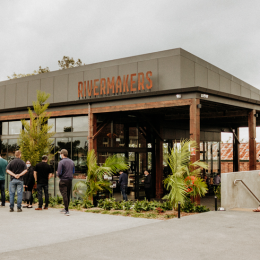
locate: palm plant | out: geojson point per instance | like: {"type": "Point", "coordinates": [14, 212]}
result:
{"type": "Point", "coordinates": [95, 181]}
{"type": "Point", "coordinates": [179, 183]}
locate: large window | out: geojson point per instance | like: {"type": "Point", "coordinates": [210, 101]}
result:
{"type": "Point", "coordinates": [69, 124]}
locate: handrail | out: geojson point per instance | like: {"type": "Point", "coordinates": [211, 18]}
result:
{"type": "Point", "coordinates": [235, 183]}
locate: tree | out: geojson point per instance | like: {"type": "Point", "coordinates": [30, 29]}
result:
{"type": "Point", "coordinates": [67, 63]}
{"type": "Point", "coordinates": [35, 72]}
{"type": "Point", "coordinates": [35, 138]}
{"type": "Point", "coordinates": [184, 180]}
{"type": "Point", "coordinates": [95, 181]}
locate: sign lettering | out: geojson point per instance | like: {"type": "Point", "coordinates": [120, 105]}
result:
{"type": "Point", "coordinates": [114, 85]}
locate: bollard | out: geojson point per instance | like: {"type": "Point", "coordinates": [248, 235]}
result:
{"type": "Point", "coordinates": [216, 203]}
{"type": "Point", "coordinates": [179, 210]}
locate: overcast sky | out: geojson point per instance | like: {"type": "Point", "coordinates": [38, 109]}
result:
{"type": "Point", "coordinates": [225, 33]}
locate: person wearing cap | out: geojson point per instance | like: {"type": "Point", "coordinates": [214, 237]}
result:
{"type": "Point", "coordinates": [42, 174]}
{"type": "Point", "coordinates": [66, 169]}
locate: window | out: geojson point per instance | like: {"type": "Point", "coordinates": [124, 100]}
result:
{"type": "Point", "coordinates": [80, 124]}
{"type": "Point", "coordinates": [15, 127]}
{"type": "Point", "coordinates": [63, 124]}
{"type": "Point", "coordinates": [4, 128]}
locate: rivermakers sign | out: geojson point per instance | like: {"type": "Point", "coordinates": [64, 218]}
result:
{"type": "Point", "coordinates": [110, 86]}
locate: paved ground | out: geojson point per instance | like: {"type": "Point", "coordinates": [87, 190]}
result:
{"type": "Point", "coordinates": [51, 235]}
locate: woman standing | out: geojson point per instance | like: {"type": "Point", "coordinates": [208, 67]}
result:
{"type": "Point", "coordinates": [29, 183]}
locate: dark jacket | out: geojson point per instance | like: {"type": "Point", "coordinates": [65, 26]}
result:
{"type": "Point", "coordinates": [148, 181]}
{"type": "Point", "coordinates": [28, 178]}
{"type": "Point", "coordinates": [123, 179]}
{"type": "Point", "coordinates": [66, 169]}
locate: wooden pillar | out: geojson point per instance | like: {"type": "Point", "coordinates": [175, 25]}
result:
{"type": "Point", "coordinates": [92, 143]}
{"type": "Point", "coordinates": [195, 126]}
{"type": "Point", "coordinates": [159, 166]}
{"type": "Point", "coordinates": [252, 142]}
{"type": "Point", "coordinates": [236, 153]}
{"type": "Point", "coordinates": [195, 133]}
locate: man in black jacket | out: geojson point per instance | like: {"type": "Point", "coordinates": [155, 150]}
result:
{"type": "Point", "coordinates": [123, 181]}
{"type": "Point", "coordinates": [147, 185]}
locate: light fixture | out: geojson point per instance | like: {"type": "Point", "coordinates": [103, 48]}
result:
{"type": "Point", "coordinates": [204, 96]}
{"type": "Point", "coordinates": [199, 106]}
{"type": "Point", "coordinates": [178, 96]}
{"type": "Point", "coordinates": [256, 115]}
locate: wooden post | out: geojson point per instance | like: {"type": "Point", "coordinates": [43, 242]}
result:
{"type": "Point", "coordinates": [159, 166]}
{"type": "Point", "coordinates": [236, 153]}
{"type": "Point", "coordinates": [252, 142]}
{"type": "Point", "coordinates": [195, 126]}
{"type": "Point", "coordinates": [195, 133]}
{"type": "Point", "coordinates": [92, 143]}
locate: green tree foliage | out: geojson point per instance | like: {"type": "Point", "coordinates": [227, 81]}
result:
{"type": "Point", "coordinates": [35, 138]}
{"type": "Point", "coordinates": [35, 72]}
{"type": "Point", "coordinates": [67, 63]}
{"type": "Point", "coordinates": [184, 180]}
{"type": "Point", "coordinates": [95, 174]}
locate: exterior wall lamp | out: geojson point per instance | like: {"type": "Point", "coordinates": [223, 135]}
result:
{"type": "Point", "coordinates": [199, 106]}
{"type": "Point", "coordinates": [178, 96]}
{"type": "Point", "coordinates": [256, 115]}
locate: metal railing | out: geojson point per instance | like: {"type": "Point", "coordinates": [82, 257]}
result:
{"type": "Point", "coordinates": [235, 183]}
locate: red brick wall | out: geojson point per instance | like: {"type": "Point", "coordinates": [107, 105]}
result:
{"type": "Point", "coordinates": [244, 166]}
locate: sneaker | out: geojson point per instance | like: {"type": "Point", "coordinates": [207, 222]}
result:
{"type": "Point", "coordinates": [63, 211]}
{"type": "Point", "coordinates": [19, 210]}
{"type": "Point", "coordinates": [11, 209]}
{"type": "Point", "coordinates": [67, 213]}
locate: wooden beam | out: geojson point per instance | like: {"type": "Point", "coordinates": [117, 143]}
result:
{"type": "Point", "coordinates": [159, 164]}
{"type": "Point", "coordinates": [236, 153]}
{"type": "Point", "coordinates": [142, 106]}
{"type": "Point", "coordinates": [92, 143]}
{"type": "Point", "coordinates": [252, 141]}
{"type": "Point", "coordinates": [195, 133]}
{"type": "Point", "coordinates": [195, 126]}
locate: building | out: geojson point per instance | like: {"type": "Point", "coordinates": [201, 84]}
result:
{"type": "Point", "coordinates": [136, 107]}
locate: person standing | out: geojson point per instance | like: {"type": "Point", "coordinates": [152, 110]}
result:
{"type": "Point", "coordinates": [3, 164]}
{"type": "Point", "coordinates": [147, 185]}
{"type": "Point", "coordinates": [66, 169]}
{"type": "Point", "coordinates": [29, 183]}
{"type": "Point", "coordinates": [42, 174]}
{"type": "Point", "coordinates": [16, 168]}
{"type": "Point", "coordinates": [123, 181]}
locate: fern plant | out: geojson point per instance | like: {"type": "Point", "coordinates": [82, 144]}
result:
{"type": "Point", "coordinates": [179, 183]}
{"type": "Point", "coordinates": [95, 181]}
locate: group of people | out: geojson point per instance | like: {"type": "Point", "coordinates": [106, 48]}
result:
{"type": "Point", "coordinates": [123, 181]}
{"type": "Point", "coordinates": [25, 177]}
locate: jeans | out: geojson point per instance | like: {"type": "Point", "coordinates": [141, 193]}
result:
{"type": "Point", "coordinates": [65, 189]}
{"type": "Point", "coordinates": [39, 191]}
{"type": "Point", "coordinates": [124, 190]}
{"type": "Point", "coordinates": [2, 188]}
{"type": "Point", "coordinates": [16, 185]}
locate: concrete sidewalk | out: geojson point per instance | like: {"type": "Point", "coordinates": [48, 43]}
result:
{"type": "Point", "coordinates": [51, 235]}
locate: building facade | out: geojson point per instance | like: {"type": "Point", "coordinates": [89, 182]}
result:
{"type": "Point", "coordinates": [137, 107]}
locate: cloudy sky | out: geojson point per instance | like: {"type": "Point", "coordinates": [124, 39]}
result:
{"type": "Point", "coordinates": [225, 33]}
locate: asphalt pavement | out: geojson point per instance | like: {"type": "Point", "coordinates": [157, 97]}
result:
{"type": "Point", "coordinates": [50, 235]}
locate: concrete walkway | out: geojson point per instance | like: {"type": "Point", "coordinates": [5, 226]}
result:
{"type": "Point", "coordinates": [51, 235]}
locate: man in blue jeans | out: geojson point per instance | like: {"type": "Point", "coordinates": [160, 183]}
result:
{"type": "Point", "coordinates": [16, 168]}
{"type": "Point", "coordinates": [3, 164]}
